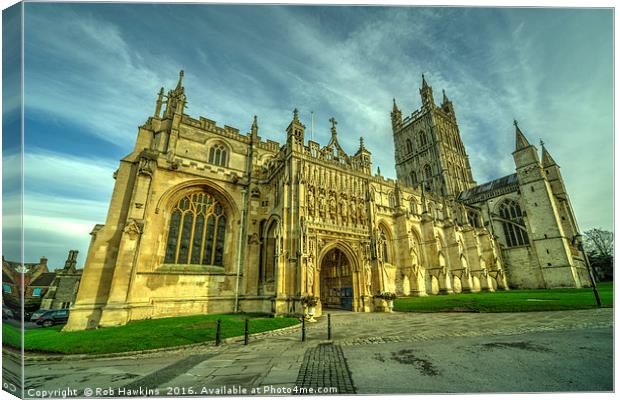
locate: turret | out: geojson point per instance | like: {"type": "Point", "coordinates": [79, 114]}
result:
{"type": "Point", "coordinates": [176, 98]}
{"type": "Point", "coordinates": [362, 158]}
{"type": "Point", "coordinates": [397, 116]}
{"type": "Point", "coordinates": [427, 95]}
{"type": "Point", "coordinates": [446, 104]}
{"type": "Point", "coordinates": [525, 154]}
{"type": "Point", "coordinates": [295, 132]}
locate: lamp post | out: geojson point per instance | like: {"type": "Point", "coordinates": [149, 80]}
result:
{"type": "Point", "coordinates": [577, 240]}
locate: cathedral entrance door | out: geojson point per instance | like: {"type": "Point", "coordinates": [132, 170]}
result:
{"type": "Point", "coordinates": [336, 281]}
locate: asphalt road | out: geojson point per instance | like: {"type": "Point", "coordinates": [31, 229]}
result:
{"type": "Point", "coordinates": [567, 361]}
{"type": "Point", "coordinates": [371, 354]}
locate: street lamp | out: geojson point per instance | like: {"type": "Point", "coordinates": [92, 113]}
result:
{"type": "Point", "coordinates": [577, 240]}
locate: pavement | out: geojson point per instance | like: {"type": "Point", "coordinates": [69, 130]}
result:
{"type": "Point", "coordinates": [369, 353]}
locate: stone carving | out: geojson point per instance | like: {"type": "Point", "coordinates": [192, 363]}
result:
{"type": "Point", "coordinates": [311, 203]}
{"type": "Point", "coordinates": [134, 228]}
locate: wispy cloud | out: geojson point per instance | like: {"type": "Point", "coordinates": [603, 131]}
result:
{"type": "Point", "coordinates": [99, 66]}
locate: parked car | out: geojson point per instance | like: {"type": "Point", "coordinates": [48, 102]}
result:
{"type": "Point", "coordinates": [35, 315]}
{"type": "Point", "coordinates": [7, 313]}
{"type": "Point", "coordinates": [53, 317]}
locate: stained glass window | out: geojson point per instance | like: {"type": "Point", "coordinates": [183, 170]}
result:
{"type": "Point", "coordinates": [513, 224]}
{"type": "Point", "coordinates": [197, 231]}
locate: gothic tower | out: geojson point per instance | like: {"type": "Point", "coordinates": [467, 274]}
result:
{"type": "Point", "coordinates": [428, 147]}
{"type": "Point", "coordinates": [550, 242]}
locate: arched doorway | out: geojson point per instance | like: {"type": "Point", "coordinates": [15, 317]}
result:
{"type": "Point", "coordinates": [336, 281]}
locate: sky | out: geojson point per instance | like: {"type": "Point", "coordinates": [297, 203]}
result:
{"type": "Point", "coordinates": [92, 73]}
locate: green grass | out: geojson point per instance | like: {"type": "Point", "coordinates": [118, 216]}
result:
{"type": "Point", "coordinates": [140, 335]}
{"type": "Point", "coordinates": [510, 301]}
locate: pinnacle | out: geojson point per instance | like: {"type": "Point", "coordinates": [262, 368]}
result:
{"type": "Point", "coordinates": [521, 141]}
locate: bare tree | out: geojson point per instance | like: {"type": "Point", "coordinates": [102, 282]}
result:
{"type": "Point", "coordinates": [599, 241]}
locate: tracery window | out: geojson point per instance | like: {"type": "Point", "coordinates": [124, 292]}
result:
{"type": "Point", "coordinates": [428, 174]}
{"type": "Point", "coordinates": [218, 155]}
{"type": "Point", "coordinates": [423, 140]}
{"type": "Point", "coordinates": [413, 207]}
{"type": "Point", "coordinates": [197, 231]}
{"type": "Point", "coordinates": [513, 224]}
{"type": "Point", "coordinates": [392, 200]}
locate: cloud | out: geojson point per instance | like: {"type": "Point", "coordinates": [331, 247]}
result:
{"type": "Point", "coordinates": [550, 69]}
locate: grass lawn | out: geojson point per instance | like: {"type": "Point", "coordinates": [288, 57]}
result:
{"type": "Point", "coordinates": [509, 301]}
{"type": "Point", "coordinates": [141, 335]}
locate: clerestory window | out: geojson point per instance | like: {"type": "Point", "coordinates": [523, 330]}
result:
{"type": "Point", "coordinates": [218, 155]}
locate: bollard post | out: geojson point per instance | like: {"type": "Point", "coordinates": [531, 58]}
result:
{"type": "Point", "coordinates": [218, 333]}
{"type": "Point", "coordinates": [329, 326]}
{"type": "Point", "coordinates": [303, 329]}
{"type": "Point", "coordinates": [247, 332]}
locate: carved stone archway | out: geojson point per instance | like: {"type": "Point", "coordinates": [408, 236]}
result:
{"type": "Point", "coordinates": [338, 278]}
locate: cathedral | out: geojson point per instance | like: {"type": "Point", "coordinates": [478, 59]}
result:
{"type": "Point", "coordinates": [206, 219]}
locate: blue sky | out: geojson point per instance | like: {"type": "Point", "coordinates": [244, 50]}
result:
{"type": "Point", "coordinates": [92, 72]}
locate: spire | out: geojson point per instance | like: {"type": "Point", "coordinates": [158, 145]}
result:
{"type": "Point", "coordinates": [426, 92]}
{"type": "Point", "coordinates": [362, 147]}
{"type": "Point", "coordinates": [547, 160]}
{"type": "Point", "coordinates": [397, 116]}
{"type": "Point", "coordinates": [180, 84]}
{"type": "Point", "coordinates": [295, 114]}
{"type": "Point", "coordinates": [521, 141]}
{"type": "Point", "coordinates": [254, 128]}
{"type": "Point", "coordinates": [445, 98]}
{"type": "Point", "coordinates": [159, 102]}
{"type": "Point", "coordinates": [378, 170]}
{"type": "Point", "coordinates": [334, 123]}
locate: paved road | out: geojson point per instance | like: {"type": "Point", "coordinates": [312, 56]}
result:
{"type": "Point", "coordinates": [370, 353]}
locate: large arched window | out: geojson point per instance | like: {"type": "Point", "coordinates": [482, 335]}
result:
{"type": "Point", "coordinates": [409, 147]}
{"type": "Point", "coordinates": [197, 231]}
{"type": "Point", "coordinates": [513, 224]}
{"type": "Point", "coordinates": [218, 155]}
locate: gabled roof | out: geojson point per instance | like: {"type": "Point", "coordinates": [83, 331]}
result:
{"type": "Point", "coordinates": [45, 279]}
{"type": "Point", "coordinates": [490, 189]}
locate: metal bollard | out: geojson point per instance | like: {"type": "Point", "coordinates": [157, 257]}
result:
{"type": "Point", "coordinates": [303, 329]}
{"type": "Point", "coordinates": [218, 333]}
{"type": "Point", "coordinates": [247, 332]}
{"type": "Point", "coordinates": [329, 327]}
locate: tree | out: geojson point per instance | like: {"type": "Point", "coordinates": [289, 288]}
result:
{"type": "Point", "coordinates": [599, 244]}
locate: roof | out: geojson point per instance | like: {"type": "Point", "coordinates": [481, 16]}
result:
{"type": "Point", "coordinates": [45, 279]}
{"type": "Point", "coordinates": [490, 189]}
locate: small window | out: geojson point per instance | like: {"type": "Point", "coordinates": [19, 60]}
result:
{"type": "Point", "coordinates": [6, 288]}
{"type": "Point", "coordinates": [409, 147]}
{"type": "Point", "coordinates": [36, 292]}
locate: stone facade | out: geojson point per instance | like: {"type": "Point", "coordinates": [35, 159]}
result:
{"type": "Point", "coordinates": [205, 219]}
{"type": "Point", "coordinates": [63, 289]}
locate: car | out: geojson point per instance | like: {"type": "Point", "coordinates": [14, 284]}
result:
{"type": "Point", "coordinates": [35, 315]}
{"type": "Point", "coordinates": [7, 313]}
{"type": "Point", "coordinates": [53, 317]}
